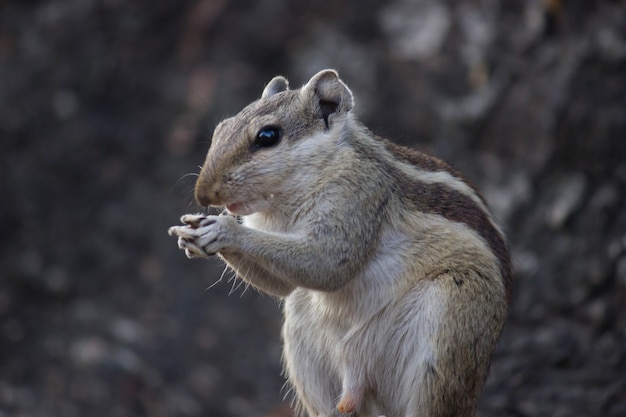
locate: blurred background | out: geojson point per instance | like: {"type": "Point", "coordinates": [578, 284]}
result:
{"type": "Point", "coordinates": [106, 106]}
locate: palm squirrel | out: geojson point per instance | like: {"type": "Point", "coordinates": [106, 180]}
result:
{"type": "Point", "coordinates": [394, 277]}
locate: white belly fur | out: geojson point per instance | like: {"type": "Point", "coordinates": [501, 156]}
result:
{"type": "Point", "coordinates": [375, 335]}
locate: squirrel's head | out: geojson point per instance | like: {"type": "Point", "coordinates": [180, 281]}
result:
{"type": "Point", "coordinates": [275, 145]}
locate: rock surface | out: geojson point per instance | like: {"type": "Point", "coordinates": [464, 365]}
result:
{"type": "Point", "coordinates": [106, 107]}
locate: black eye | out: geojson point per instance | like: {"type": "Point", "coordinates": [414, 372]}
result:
{"type": "Point", "coordinates": [267, 136]}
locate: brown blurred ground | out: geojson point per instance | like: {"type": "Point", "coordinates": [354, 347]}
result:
{"type": "Point", "coordinates": [105, 106]}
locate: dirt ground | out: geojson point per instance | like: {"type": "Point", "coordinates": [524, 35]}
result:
{"type": "Point", "coordinates": [107, 106]}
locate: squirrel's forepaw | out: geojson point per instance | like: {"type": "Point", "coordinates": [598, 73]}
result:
{"type": "Point", "coordinates": [201, 236]}
{"type": "Point", "coordinates": [196, 220]}
{"type": "Point", "coordinates": [192, 250]}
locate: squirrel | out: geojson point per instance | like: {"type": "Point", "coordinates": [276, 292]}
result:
{"type": "Point", "coordinates": [395, 279]}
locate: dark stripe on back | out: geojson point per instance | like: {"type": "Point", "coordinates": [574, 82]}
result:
{"type": "Point", "coordinates": [453, 205]}
{"type": "Point", "coordinates": [426, 163]}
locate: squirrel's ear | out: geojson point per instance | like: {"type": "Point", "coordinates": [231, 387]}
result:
{"type": "Point", "coordinates": [276, 85]}
{"type": "Point", "coordinates": [327, 94]}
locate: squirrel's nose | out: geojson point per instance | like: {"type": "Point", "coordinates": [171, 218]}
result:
{"type": "Point", "coordinates": [207, 194]}
{"type": "Point", "coordinates": [202, 199]}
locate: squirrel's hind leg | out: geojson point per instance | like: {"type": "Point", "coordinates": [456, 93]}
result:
{"type": "Point", "coordinates": [351, 397]}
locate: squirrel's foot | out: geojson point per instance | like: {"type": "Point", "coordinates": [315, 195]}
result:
{"type": "Point", "coordinates": [349, 402]}
{"type": "Point", "coordinates": [202, 236]}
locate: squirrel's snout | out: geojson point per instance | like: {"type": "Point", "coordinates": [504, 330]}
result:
{"type": "Point", "coordinates": [207, 194]}
{"type": "Point", "coordinates": [202, 199]}
{"type": "Point", "coordinates": [209, 189]}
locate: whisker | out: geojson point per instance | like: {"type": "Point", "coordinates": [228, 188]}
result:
{"type": "Point", "coordinates": [239, 284]}
{"type": "Point", "coordinates": [191, 174]}
{"type": "Point", "coordinates": [245, 288]}
{"type": "Point", "coordinates": [226, 269]}
{"type": "Point", "coordinates": [191, 202]}
{"type": "Point", "coordinates": [234, 287]}
{"type": "Point", "coordinates": [287, 388]}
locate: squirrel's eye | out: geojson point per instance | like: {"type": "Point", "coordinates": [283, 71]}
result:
{"type": "Point", "coordinates": [267, 136]}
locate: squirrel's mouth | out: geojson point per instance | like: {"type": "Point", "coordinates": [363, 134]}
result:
{"type": "Point", "coordinates": [244, 208]}
{"type": "Point", "coordinates": [233, 206]}
{"type": "Point", "coordinates": [238, 209]}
